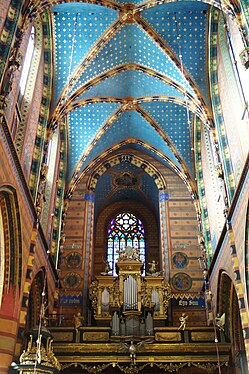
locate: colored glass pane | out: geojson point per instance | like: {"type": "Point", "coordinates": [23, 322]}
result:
{"type": "Point", "coordinates": [124, 230]}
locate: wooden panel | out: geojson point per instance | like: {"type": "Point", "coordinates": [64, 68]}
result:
{"type": "Point", "coordinates": [63, 336]}
{"type": "Point", "coordinates": [168, 336]}
{"type": "Point", "coordinates": [96, 336]}
{"type": "Point", "coordinates": [202, 336]}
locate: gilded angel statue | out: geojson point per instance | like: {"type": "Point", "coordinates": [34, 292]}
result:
{"type": "Point", "coordinates": [220, 321]}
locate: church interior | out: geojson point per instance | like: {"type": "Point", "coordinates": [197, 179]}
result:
{"type": "Point", "coordinates": [124, 185]}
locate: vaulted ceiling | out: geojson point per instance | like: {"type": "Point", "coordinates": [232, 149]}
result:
{"type": "Point", "coordinates": [131, 74]}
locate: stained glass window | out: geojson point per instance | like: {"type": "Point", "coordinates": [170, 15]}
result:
{"type": "Point", "coordinates": [124, 230]}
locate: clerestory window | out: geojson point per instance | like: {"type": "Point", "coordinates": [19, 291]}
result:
{"type": "Point", "coordinates": [27, 62]}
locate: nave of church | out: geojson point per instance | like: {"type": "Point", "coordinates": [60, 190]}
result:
{"type": "Point", "coordinates": [124, 186]}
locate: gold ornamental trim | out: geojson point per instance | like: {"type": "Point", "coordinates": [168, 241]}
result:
{"type": "Point", "coordinates": [143, 359]}
{"type": "Point", "coordinates": [107, 348]}
{"type": "Point", "coordinates": [134, 369]}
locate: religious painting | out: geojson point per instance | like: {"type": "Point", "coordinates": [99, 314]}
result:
{"type": "Point", "coordinates": [126, 179]}
{"type": "Point", "coordinates": [180, 260]}
{"type": "Point", "coordinates": [181, 282]}
{"type": "Point", "coordinates": [73, 260]}
{"type": "Point", "coordinates": [72, 280]}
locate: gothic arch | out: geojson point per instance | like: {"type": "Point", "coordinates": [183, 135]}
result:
{"type": "Point", "coordinates": [228, 303]}
{"type": "Point", "coordinates": [11, 249]}
{"type": "Point", "coordinates": [223, 299]}
{"type": "Point", "coordinates": [140, 211]}
{"type": "Point", "coordinates": [130, 158]}
{"type": "Point", "coordinates": [35, 299]}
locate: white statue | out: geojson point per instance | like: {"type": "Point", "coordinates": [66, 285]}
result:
{"type": "Point", "coordinates": [152, 269]}
{"type": "Point", "coordinates": [153, 265]}
{"type": "Point", "coordinates": [78, 321]}
{"type": "Point", "coordinates": [129, 253]}
{"type": "Point", "coordinates": [183, 321]}
{"type": "Point", "coordinates": [220, 321]}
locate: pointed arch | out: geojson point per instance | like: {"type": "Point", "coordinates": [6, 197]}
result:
{"type": "Point", "coordinates": [35, 299]}
{"type": "Point", "coordinates": [140, 162]}
{"type": "Point", "coordinates": [11, 243]}
{"type": "Point", "coordinates": [216, 103]}
{"type": "Point", "coordinates": [228, 303]}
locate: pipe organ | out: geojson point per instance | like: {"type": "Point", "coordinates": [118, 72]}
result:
{"type": "Point", "coordinates": [130, 294]}
{"type": "Point", "coordinates": [132, 303]}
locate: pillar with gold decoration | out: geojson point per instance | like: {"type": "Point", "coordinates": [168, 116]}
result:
{"type": "Point", "coordinates": [163, 208]}
{"type": "Point", "coordinates": [87, 245]}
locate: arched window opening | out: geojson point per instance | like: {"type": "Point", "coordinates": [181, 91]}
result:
{"type": "Point", "coordinates": [124, 230]}
{"type": "Point", "coordinates": [231, 82]}
{"type": "Point", "coordinates": [52, 170]}
{"type": "Point", "coordinates": [27, 62]}
{"type": "Point", "coordinates": [235, 46]}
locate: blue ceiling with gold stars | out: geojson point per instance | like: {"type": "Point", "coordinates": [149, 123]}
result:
{"type": "Point", "coordinates": [130, 73]}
